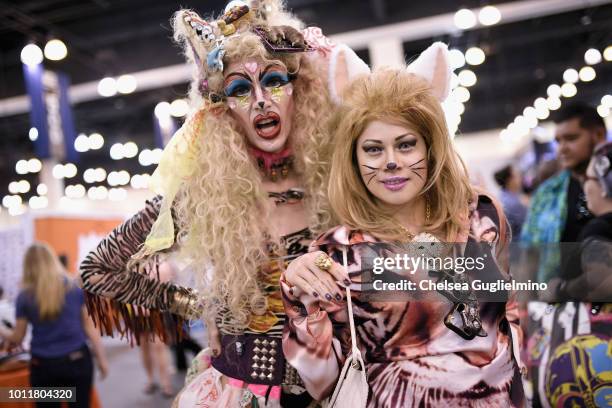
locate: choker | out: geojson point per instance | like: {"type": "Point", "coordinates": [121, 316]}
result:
{"type": "Point", "coordinates": [274, 164]}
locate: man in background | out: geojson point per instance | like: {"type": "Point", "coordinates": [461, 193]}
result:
{"type": "Point", "coordinates": [558, 209]}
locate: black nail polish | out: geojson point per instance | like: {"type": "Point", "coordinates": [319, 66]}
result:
{"type": "Point", "coordinates": [347, 282]}
{"type": "Point", "coordinates": [315, 294]}
{"type": "Point", "coordinates": [338, 297]}
{"type": "Point", "coordinates": [328, 297]}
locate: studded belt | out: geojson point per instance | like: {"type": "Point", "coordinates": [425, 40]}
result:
{"type": "Point", "coordinates": [255, 359]}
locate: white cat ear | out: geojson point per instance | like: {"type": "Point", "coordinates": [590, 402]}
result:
{"type": "Point", "coordinates": [434, 65]}
{"type": "Point", "coordinates": [344, 66]}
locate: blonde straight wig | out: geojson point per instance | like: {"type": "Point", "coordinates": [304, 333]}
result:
{"type": "Point", "coordinates": [401, 98]}
{"type": "Point", "coordinates": [45, 278]}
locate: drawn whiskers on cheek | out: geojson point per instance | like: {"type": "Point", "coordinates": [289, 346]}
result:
{"type": "Point", "coordinates": [414, 169]}
{"type": "Point", "coordinates": [372, 173]}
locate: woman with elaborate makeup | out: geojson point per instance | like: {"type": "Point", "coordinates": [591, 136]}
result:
{"type": "Point", "coordinates": [242, 189]}
{"type": "Point", "coordinates": [397, 182]}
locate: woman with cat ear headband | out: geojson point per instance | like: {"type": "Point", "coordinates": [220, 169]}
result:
{"type": "Point", "coordinates": [241, 189]}
{"type": "Point", "coordinates": [398, 186]}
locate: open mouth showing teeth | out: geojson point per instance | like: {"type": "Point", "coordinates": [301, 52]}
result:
{"type": "Point", "coordinates": [267, 126]}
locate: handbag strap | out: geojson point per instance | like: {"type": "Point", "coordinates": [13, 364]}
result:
{"type": "Point", "coordinates": [349, 303]}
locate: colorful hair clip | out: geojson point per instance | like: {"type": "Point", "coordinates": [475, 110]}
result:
{"type": "Point", "coordinates": [214, 59]}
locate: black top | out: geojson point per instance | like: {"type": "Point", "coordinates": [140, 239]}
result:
{"type": "Point", "coordinates": [578, 214]}
{"type": "Point", "coordinates": [598, 227]}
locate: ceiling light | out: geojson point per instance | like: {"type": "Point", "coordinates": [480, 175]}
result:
{"type": "Point", "coordinates": [606, 100]}
{"type": "Point", "coordinates": [33, 134]}
{"type": "Point", "coordinates": [31, 55]}
{"type": "Point", "coordinates": [42, 189]}
{"type": "Point", "coordinates": [568, 90]}
{"type": "Point", "coordinates": [55, 50]}
{"type": "Point", "coordinates": [162, 110]}
{"type": "Point", "coordinates": [96, 141]}
{"type": "Point", "coordinates": [489, 15]}
{"type": "Point", "coordinates": [58, 171]}
{"type": "Point", "coordinates": [603, 111]}
{"type": "Point", "coordinates": [70, 170]}
{"type": "Point", "coordinates": [464, 19]}
{"type": "Point", "coordinates": [457, 59]}
{"type": "Point", "coordinates": [126, 84]}
{"type": "Point", "coordinates": [130, 149]}
{"type": "Point", "coordinates": [81, 143]}
{"type": "Point", "coordinates": [553, 102]}
{"type": "Point", "coordinates": [467, 78]}
{"type": "Point", "coordinates": [474, 56]}
{"type": "Point", "coordinates": [179, 108]}
{"type": "Point", "coordinates": [107, 87]}
{"type": "Point", "coordinates": [461, 94]}
{"type": "Point", "coordinates": [553, 90]}
{"type": "Point", "coordinates": [587, 74]}
{"type": "Point", "coordinates": [21, 167]}
{"type": "Point", "coordinates": [116, 151]}
{"type": "Point", "coordinates": [34, 165]}
{"type": "Point", "coordinates": [570, 76]}
{"type": "Point", "coordinates": [592, 56]}
{"type": "Point", "coordinates": [607, 54]}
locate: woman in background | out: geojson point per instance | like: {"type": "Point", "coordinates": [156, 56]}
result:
{"type": "Point", "coordinates": [52, 303]}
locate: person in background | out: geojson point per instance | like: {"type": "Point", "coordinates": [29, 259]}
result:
{"type": "Point", "coordinates": [571, 344]}
{"type": "Point", "coordinates": [52, 303]}
{"type": "Point", "coordinates": [558, 208]}
{"type": "Point", "coordinates": [509, 180]}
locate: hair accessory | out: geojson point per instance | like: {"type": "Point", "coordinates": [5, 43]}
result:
{"type": "Point", "coordinates": [214, 59]}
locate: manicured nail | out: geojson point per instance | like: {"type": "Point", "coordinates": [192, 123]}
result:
{"type": "Point", "coordinates": [347, 282]}
{"type": "Point", "coordinates": [291, 291]}
{"type": "Point", "coordinates": [315, 294]}
{"type": "Point", "coordinates": [328, 297]}
{"type": "Point", "coordinates": [338, 297]}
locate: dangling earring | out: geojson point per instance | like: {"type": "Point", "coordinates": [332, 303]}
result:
{"type": "Point", "coordinates": [427, 211]}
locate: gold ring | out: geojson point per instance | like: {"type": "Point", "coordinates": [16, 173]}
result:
{"type": "Point", "coordinates": [323, 262]}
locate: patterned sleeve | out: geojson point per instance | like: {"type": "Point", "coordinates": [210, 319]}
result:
{"type": "Point", "coordinates": [490, 210]}
{"type": "Point", "coordinates": [130, 302]}
{"type": "Point", "coordinates": [312, 338]}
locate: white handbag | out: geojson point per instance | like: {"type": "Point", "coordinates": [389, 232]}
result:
{"type": "Point", "coordinates": [352, 388]}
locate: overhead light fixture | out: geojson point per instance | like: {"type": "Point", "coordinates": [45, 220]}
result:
{"type": "Point", "coordinates": [606, 100]}
{"type": "Point", "coordinates": [130, 149]}
{"type": "Point", "coordinates": [55, 50]}
{"type": "Point", "coordinates": [568, 90]}
{"type": "Point", "coordinates": [81, 143]}
{"type": "Point", "coordinates": [587, 74]}
{"type": "Point", "coordinates": [461, 94]}
{"type": "Point", "coordinates": [467, 78]}
{"type": "Point", "coordinates": [126, 84]}
{"type": "Point", "coordinates": [96, 141]}
{"type": "Point", "coordinates": [179, 108]}
{"type": "Point", "coordinates": [603, 111]}
{"type": "Point", "coordinates": [475, 56]}
{"type": "Point", "coordinates": [553, 91]}
{"type": "Point", "coordinates": [42, 189]}
{"type": "Point", "coordinates": [31, 55]}
{"type": "Point", "coordinates": [465, 19]}
{"type": "Point", "coordinates": [592, 56]}
{"type": "Point", "coordinates": [116, 151]}
{"type": "Point", "coordinates": [489, 15]}
{"type": "Point", "coordinates": [33, 134]}
{"type": "Point", "coordinates": [553, 102]}
{"type": "Point", "coordinates": [570, 75]}
{"type": "Point", "coordinates": [607, 54]}
{"type": "Point", "coordinates": [457, 59]}
{"type": "Point", "coordinates": [162, 110]}
{"type": "Point", "coordinates": [107, 87]}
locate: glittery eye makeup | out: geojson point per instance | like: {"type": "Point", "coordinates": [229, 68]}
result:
{"type": "Point", "coordinates": [274, 79]}
{"type": "Point", "coordinates": [238, 87]}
